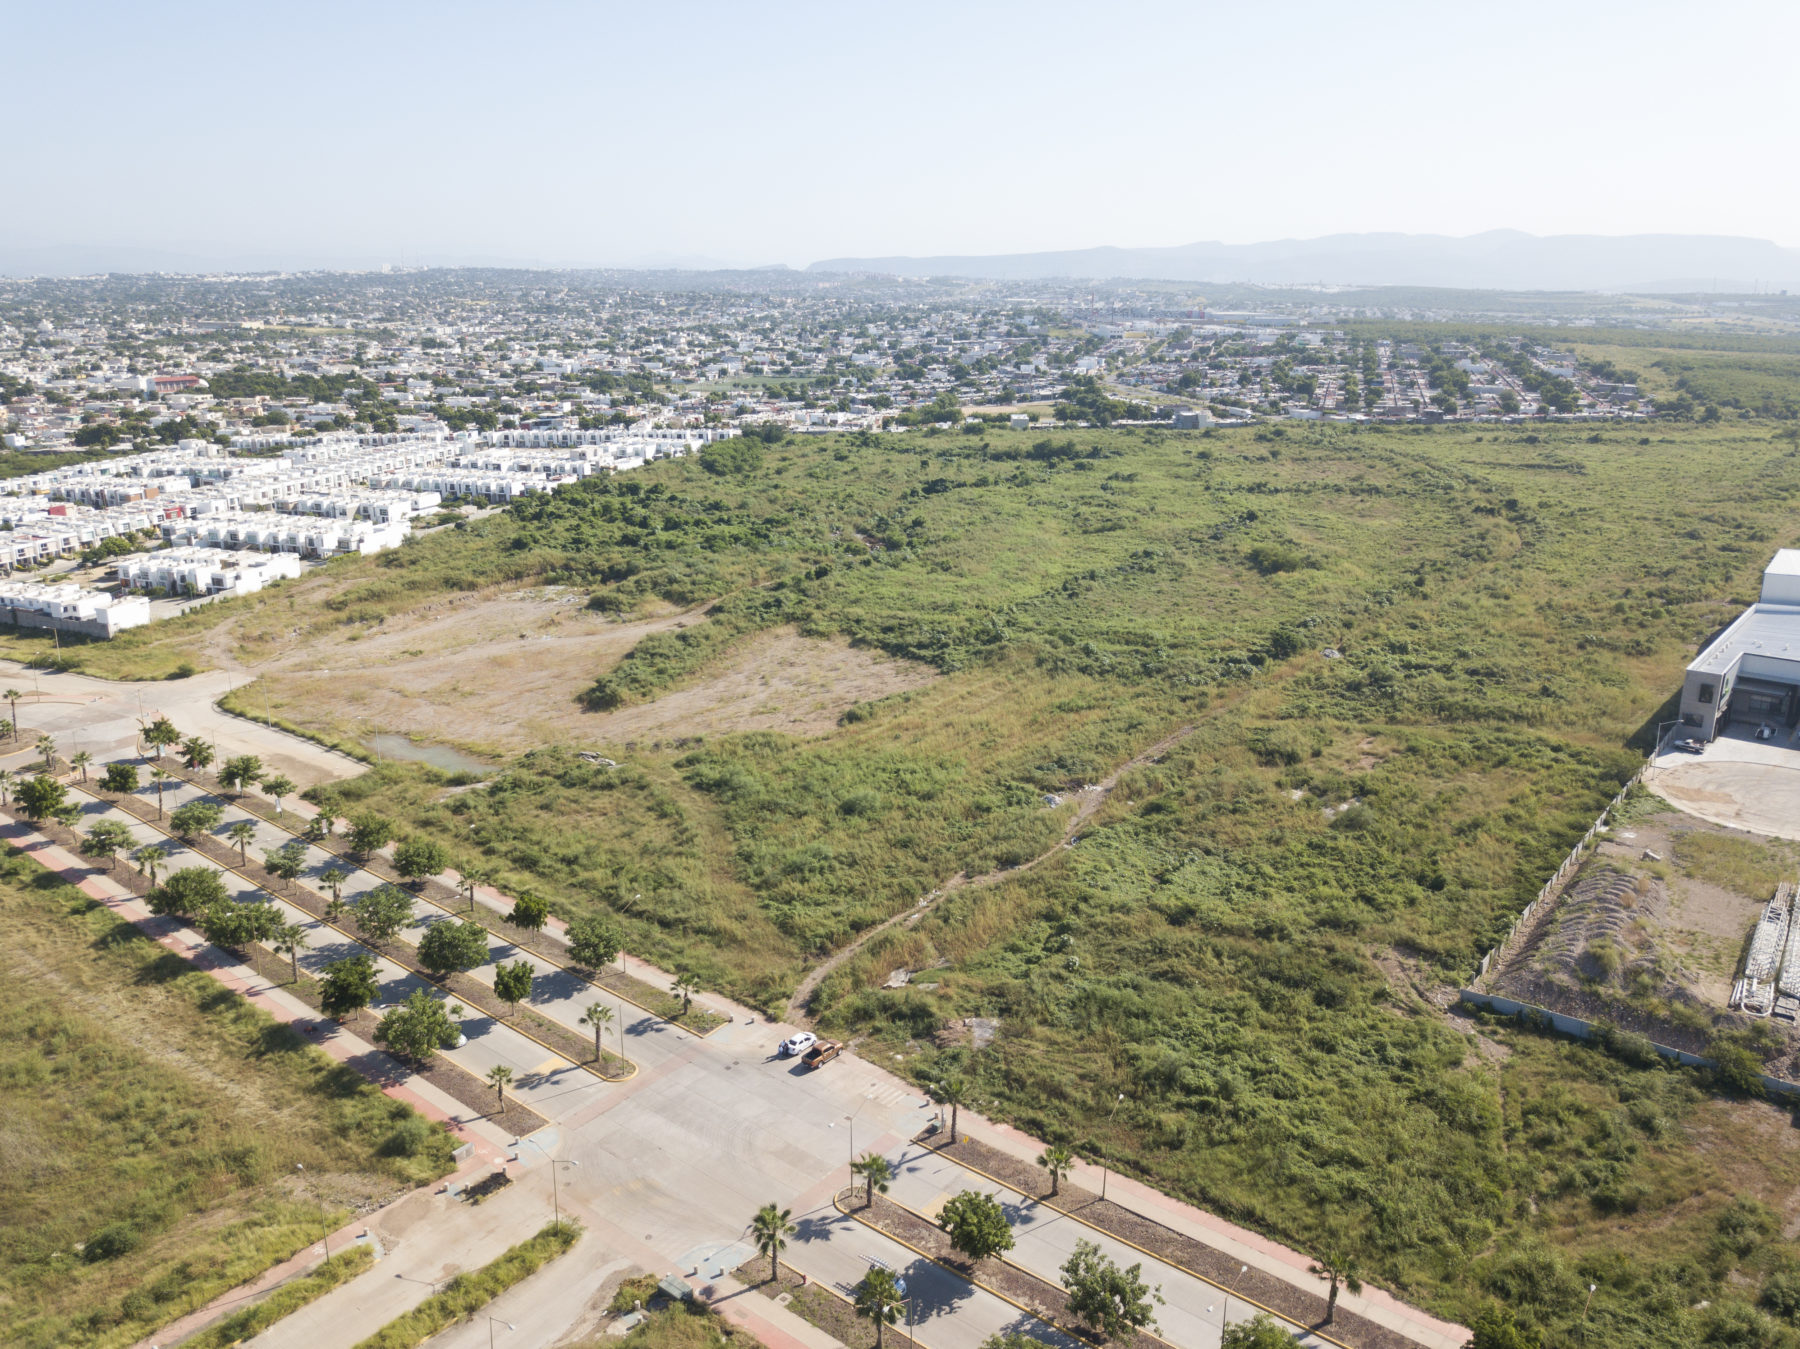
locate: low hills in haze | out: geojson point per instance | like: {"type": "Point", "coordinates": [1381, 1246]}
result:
{"type": "Point", "coordinates": [1494, 260]}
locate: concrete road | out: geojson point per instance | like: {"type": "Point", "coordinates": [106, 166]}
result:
{"type": "Point", "coordinates": [102, 717]}
{"type": "Point", "coordinates": [1193, 1311]}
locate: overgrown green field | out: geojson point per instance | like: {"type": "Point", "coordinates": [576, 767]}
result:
{"type": "Point", "coordinates": [1511, 610]}
{"type": "Point", "coordinates": [152, 1128]}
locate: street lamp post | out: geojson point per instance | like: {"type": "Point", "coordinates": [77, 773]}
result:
{"type": "Point", "coordinates": [324, 1231]}
{"type": "Point", "coordinates": [494, 1321]}
{"type": "Point", "coordinates": [1109, 1119]}
{"type": "Point", "coordinates": [555, 1199]}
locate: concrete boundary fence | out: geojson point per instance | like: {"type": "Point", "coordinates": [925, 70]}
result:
{"type": "Point", "coordinates": [1587, 1030]}
{"type": "Point", "coordinates": [1553, 887]}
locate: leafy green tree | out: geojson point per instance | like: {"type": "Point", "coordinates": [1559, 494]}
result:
{"type": "Point", "coordinates": [529, 912]}
{"type": "Point", "coordinates": [241, 772]}
{"type": "Point", "coordinates": [451, 947]}
{"type": "Point", "coordinates": [106, 840]}
{"type": "Point", "coordinates": [286, 862]}
{"type": "Point", "coordinates": [419, 859]}
{"type": "Point", "coordinates": [160, 734]}
{"type": "Point", "coordinates": [875, 1173]}
{"type": "Point", "coordinates": [119, 778]}
{"type": "Point", "coordinates": [190, 891]}
{"type": "Point", "coordinates": [369, 833]}
{"type": "Point", "coordinates": [1111, 1300]}
{"type": "Point", "coordinates": [1494, 1327]}
{"type": "Point", "coordinates": [196, 753]}
{"type": "Point", "coordinates": [499, 1076]}
{"type": "Point", "coordinates": [349, 986]}
{"type": "Point", "coordinates": [878, 1299]}
{"type": "Point", "coordinates": [1261, 1331]}
{"type": "Point", "coordinates": [512, 983]}
{"type": "Point", "coordinates": [333, 878]}
{"type": "Point", "coordinates": [770, 1229]}
{"type": "Point", "coordinates": [594, 941]}
{"type": "Point", "coordinates": [240, 833]}
{"type": "Point", "coordinates": [234, 924]}
{"type": "Point", "coordinates": [195, 818]}
{"type": "Point", "coordinates": [1339, 1267]}
{"type": "Point", "coordinates": [41, 796]}
{"type": "Point", "coordinates": [1058, 1161]}
{"type": "Point", "coordinates": [382, 912]}
{"type": "Point", "coordinates": [279, 788]}
{"type": "Point", "coordinates": [416, 1027]}
{"type": "Point", "coordinates": [977, 1225]}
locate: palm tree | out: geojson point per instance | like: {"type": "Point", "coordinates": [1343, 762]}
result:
{"type": "Point", "coordinates": [158, 776]}
{"type": "Point", "coordinates": [149, 858]}
{"type": "Point", "coordinates": [878, 1299]}
{"type": "Point", "coordinates": [241, 833]}
{"type": "Point", "coordinates": [770, 1227]}
{"type": "Point", "coordinates": [81, 761]}
{"type": "Point", "coordinates": [288, 940]}
{"type": "Point", "coordinates": [686, 982]}
{"type": "Point", "coordinates": [12, 696]}
{"type": "Point", "coordinates": [498, 1076]}
{"type": "Point", "coordinates": [876, 1174]}
{"type": "Point", "coordinates": [1056, 1159]}
{"type": "Point", "coordinates": [1339, 1267]}
{"type": "Point", "coordinates": [333, 880]}
{"type": "Point", "coordinates": [472, 879]}
{"type": "Point", "coordinates": [196, 753]}
{"type": "Point", "coordinates": [46, 746]}
{"type": "Point", "coordinates": [953, 1091]}
{"type": "Point", "coordinates": [599, 1016]}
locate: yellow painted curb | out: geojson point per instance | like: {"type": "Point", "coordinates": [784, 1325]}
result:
{"type": "Point", "coordinates": [1141, 1250]}
{"type": "Point", "coordinates": [455, 913]}
{"type": "Point", "coordinates": [258, 885]}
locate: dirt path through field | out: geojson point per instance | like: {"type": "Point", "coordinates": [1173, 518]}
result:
{"type": "Point", "coordinates": [1088, 802]}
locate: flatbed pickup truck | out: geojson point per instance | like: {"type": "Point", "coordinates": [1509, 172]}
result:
{"type": "Point", "coordinates": [821, 1053]}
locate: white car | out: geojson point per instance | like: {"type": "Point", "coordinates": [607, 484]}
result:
{"type": "Point", "coordinates": [798, 1044]}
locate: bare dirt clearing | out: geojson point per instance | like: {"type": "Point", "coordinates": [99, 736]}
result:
{"type": "Point", "coordinates": [498, 673]}
{"type": "Point", "coordinates": [777, 681]}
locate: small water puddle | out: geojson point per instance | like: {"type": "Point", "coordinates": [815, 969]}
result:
{"type": "Point", "coordinates": [438, 756]}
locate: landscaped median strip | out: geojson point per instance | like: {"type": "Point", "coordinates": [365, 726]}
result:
{"type": "Point", "coordinates": [286, 1299]}
{"type": "Point", "coordinates": [448, 1076]}
{"type": "Point", "coordinates": [468, 1293]}
{"type": "Point", "coordinates": [313, 904]}
{"type": "Point", "coordinates": [698, 1022]}
{"type": "Point", "coordinates": [1032, 1294]}
{"type": "Point", "coordinates": [949, 1151]}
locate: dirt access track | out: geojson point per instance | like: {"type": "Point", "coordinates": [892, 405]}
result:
{"type": "Point", "coordinates": [498, 673]}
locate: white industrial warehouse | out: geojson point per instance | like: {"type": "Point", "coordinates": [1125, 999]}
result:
{"type": "Point", "coordinates": [1749, 675]}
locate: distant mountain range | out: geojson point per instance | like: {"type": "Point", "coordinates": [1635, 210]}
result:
{"type": "Point", "coordinates": [1495, 260]}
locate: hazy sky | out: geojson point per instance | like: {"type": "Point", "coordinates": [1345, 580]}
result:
{"type": "Point", "coordinates": [750, 133]}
